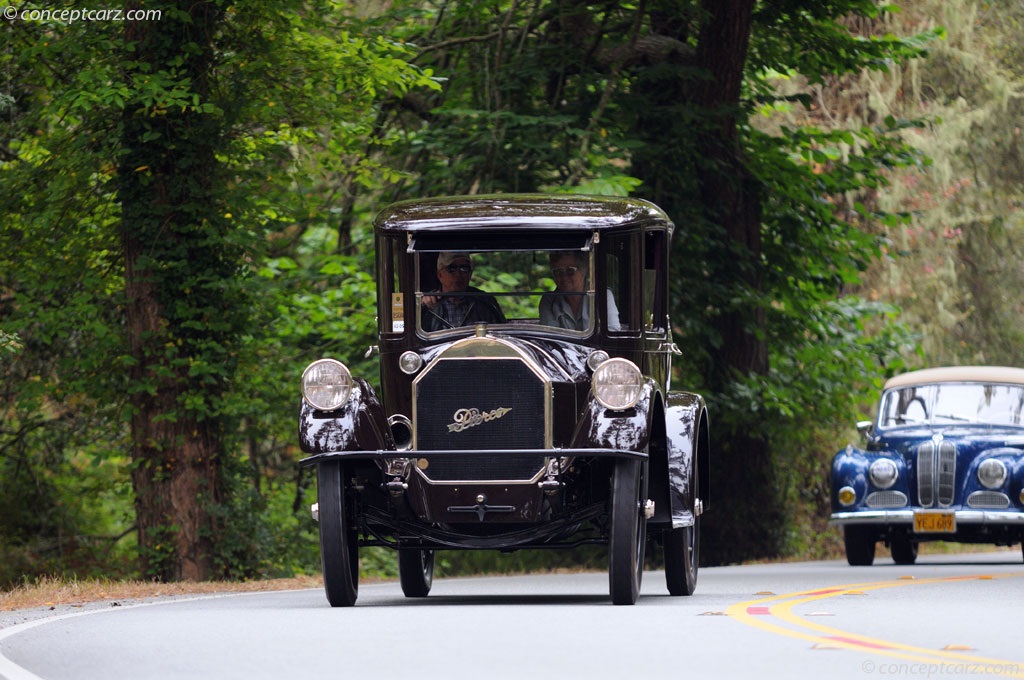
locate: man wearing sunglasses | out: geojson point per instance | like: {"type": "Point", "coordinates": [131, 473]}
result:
{"type": "Point", "coordinates": [445, 308]}
{"type": "Point", "coordinates": [568, 307]}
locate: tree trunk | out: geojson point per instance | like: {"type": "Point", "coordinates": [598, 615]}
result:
{"type": "Point", "coordinates": [747, 510]}
{"type": "Point", "coordinates": [693, 166]}
{"type": "Point", "coordinates": [167, 183]}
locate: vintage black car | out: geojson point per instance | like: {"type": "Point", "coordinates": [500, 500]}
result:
{"type": "Point", "coordinates": [944, 461]}
{"type": "Point", "coordinates": [525, 358]}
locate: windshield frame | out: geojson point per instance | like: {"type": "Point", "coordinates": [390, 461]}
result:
{"type": "Point", "coordinates": [493, 272]}
{"type": "Point", "coordinates": [953, 403]}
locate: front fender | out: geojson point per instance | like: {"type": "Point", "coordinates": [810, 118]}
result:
{"type": "Point", "coordinates": [850, 468]}
{"type": "Point", "coordinates": [628, 430]}
{"type": "Point", "coordinates": [689, 456]}
{"type": "Point", "coordinates": [360, 425]}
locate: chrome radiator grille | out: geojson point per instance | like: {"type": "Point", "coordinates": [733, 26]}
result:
{"type": "Point", "coordinates": [476, 404]}
{"type": "Point", "coordinates": [988, 499]}
{"type": "Point", "coordinates": [886, 499]}
{"type": "Point", "coordinates": [936, 474]}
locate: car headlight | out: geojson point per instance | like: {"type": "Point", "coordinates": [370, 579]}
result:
{"type": "Point", "coordinates": [326, 384]}
{"type": "Point", "coordinates": [883, 473]}
{"type": "Point", "coordinates": [410, 362]}
{"type": "Point", "coordinates": [596, 358]}
{"type": "Point", "coordinates": [992, 473]}
{"type": "Point", "coordinates": [847, 496]}
{"type": "Point", "coordinates": [617, 384]}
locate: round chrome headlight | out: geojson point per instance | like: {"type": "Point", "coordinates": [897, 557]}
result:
{"type": "Point", "coordinates": [617, 384]}
{"type": "Point", "coordinates": [992, 473]}
{"type": "Point", "coordinates": [883, 473]}
{"type": "Point", "coordinates": [326, 384]}
{"type": "Point", "coordinates": [596, 358]}
{"type": "Point", "coordinates": [410, 362]}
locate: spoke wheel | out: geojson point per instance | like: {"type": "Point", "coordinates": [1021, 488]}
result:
{"type": "Point", "coordinates": [904, 550]}
{"type": "Point", "coordinates": [860, 545]}
{"type": "Point", "coordinates": [339, 547]}
{"type": "Point", "coordinates": [628, 533]}
{"type": "Point", "coordinates": [416, 572]}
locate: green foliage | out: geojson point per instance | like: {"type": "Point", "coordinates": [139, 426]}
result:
{"type": "Point", "coordinates": [289, 104]}
{"type": "Point", "coordinates": [270, 159]}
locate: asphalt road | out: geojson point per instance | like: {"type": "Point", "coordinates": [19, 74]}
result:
{"type": "Point", "coordinates": [946, 617]}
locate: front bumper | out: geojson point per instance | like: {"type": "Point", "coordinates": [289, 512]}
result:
{"type": "Point", "coordinates": [906, 517]}
{"type": "Point", "coordinates": [386, 454]}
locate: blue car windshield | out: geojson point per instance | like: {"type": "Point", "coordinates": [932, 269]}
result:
{"type": "Point", "coordinates": [945, 404]}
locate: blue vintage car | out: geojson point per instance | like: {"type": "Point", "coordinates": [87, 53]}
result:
{"type": "Point", "coordinates": [943, 461]}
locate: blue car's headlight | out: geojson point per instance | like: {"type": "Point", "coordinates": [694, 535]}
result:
{"type": "Point", "coordinates": [992, 473]}
{"type": "Point", "coordinates": [883, 473]}
{"type": "Point", "coordinates": [847, 496]}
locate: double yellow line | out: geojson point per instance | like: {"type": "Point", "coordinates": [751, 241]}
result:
{"type": "Point", "coordinates": [775, 615]}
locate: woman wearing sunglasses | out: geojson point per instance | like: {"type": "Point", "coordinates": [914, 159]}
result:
{"type": "Point", "coordinates": [568, 307]}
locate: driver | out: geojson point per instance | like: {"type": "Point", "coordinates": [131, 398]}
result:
{"type": "Point", "coordinates": [444, 308]}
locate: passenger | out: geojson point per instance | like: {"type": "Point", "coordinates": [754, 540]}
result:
{"type": "Point", "coordinates": [450, 311]}
{"type": "Point", "coordinates": [564, 308]}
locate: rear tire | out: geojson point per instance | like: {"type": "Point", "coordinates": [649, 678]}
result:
{"type": "Point", "coordinates": [339, 542]}
{"type": "Point", "coordinates": [682, 547]}
{"type": "Point", "coordinates": [682, 558]}
{"type": "Point", "coordinates": [416, 572]}
{"type": "Point", "coordinates": [628, 533]}
{"type": "Point", "coordinates": [860, 545]}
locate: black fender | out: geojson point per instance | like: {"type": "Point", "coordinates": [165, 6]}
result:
{"type": "Point", "coordinates": [626, 430]}
{"type": "Point", "coordinates": [360, 425]}
{"type": "Point", "coordinates": [688, 442]}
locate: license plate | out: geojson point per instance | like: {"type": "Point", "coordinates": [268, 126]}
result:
{"type": "Point", "coordinates": [934, 522]}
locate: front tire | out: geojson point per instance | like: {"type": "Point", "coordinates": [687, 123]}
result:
{"type": "Point", "coordinates": [860, 545]}
{"type": "Point", "coordinates": [904, 550]}
{"type": "Point", "coordinates": [416, 572]}
{"type": "Point", "coordinates": [339, 544]}
{"type": "Point", "coordinates": [628, 533]}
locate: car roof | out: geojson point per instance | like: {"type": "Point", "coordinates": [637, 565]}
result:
{"type": "Point", "coordinates": [980, 374]}
{"type": "Point", "coordinates": [533, 212]}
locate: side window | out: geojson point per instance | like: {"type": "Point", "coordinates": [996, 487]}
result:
{"type": "Point", "coordinates": [654, 302]}
{"type": "Point", "coordinates": [618, 280]}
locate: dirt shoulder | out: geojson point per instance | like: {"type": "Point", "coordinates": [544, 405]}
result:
{"type": "Point", "coordinates": [57, 597]}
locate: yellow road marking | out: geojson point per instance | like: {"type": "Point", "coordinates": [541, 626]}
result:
{"type": "Point", "coordinates": [769, 613]}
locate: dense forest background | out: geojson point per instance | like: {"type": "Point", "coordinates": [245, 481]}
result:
{"type": "Point", "coordinates": [185, 202]}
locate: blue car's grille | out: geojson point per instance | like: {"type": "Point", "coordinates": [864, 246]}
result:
{"type": "Point", "coordinates": [936, 474]}
{"type": "Point", "coordinates": [886, 499]}
{"type": "Point", "coordinates": [988, 499]}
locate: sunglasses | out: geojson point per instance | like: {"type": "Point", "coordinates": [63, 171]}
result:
{"type": "Point", "coordinates": [559, 272]}
{"type": "Point", "coordinates": [464, 268]}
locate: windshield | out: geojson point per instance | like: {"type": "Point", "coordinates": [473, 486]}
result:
{"type": "Point", "coordinates": [951, 403]}
{"type": "Point", "coordinates": [545, 288]}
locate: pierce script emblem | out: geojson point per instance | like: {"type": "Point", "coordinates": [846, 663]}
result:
{"type": "Point", "coordinates": [466, 418]}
